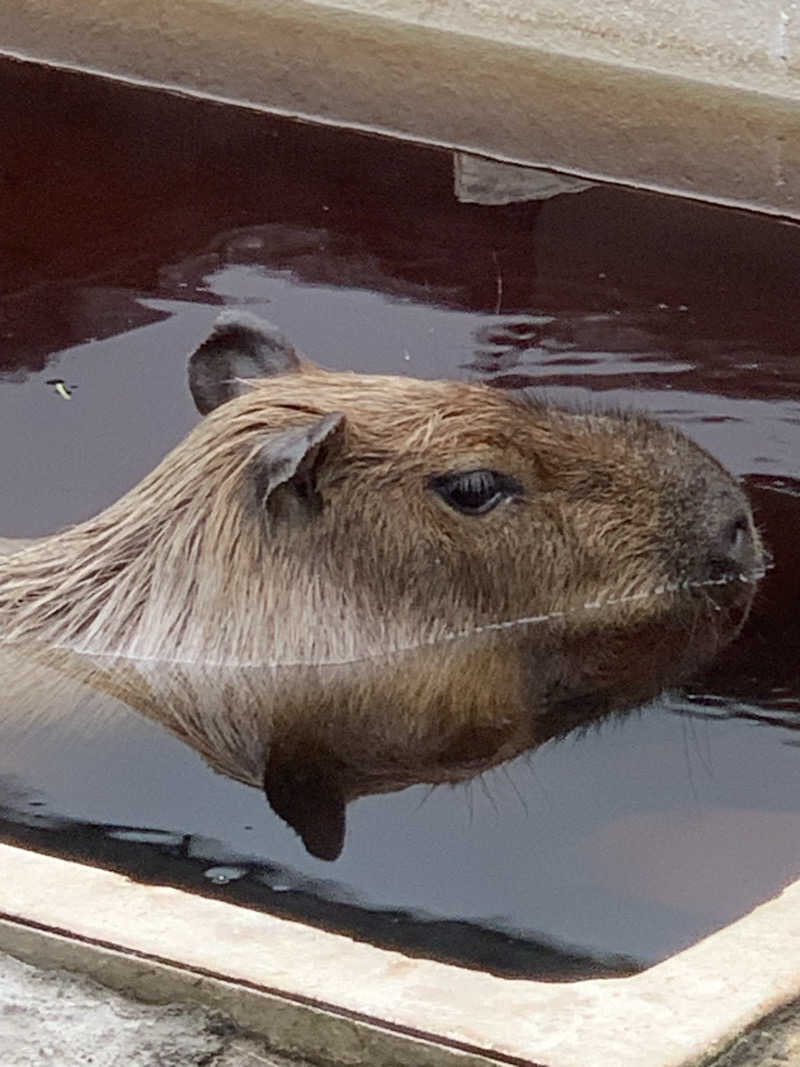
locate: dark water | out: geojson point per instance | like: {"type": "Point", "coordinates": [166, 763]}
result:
{"type": "Point", "coordinates": [127, 219]}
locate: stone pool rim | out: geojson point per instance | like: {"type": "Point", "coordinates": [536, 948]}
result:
{"type": "Point", "coordinates": [703, 104]}
{"type": "Point", "coordinates": [335, 1000]}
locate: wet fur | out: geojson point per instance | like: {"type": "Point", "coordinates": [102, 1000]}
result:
{"type": "Point", "coordinates": [190, 566]}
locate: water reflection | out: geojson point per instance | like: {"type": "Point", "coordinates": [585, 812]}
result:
{"type": "Point", "coordinates": [308, 255]}
{"type": "Point", "coordinates": [314, 738]}
{"type": "Point", "coordinates": [662, 347]}
{"type": "Point", "coordinates": [201, 864]}
{"type": "Point", "coordinates": [759, 678]}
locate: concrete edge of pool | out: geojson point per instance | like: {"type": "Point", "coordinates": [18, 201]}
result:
{"type": "Point", "coordinates": [701, 103]}
{"type": "Point", "coordinates": [326, 997]}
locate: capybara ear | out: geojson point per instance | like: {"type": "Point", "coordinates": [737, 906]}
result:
{"type": "Point", "coordinates": [240, 346]}
{"type": "Point", "coordinates": [283, 470]}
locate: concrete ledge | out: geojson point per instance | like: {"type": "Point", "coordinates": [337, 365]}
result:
{"type": "Point", "coordinates": [702, 99]}
{"type": "Point", "coordinates": [295, 1028]}
{"type": "Point", "coordinates": [335, 1000]}
{"type": "Point", "coordinates": [53, 1017]}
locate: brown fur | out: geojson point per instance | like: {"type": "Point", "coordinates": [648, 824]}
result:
{"type": "Point", "coordinates": [355, 629]}
{"type": "Point", "coordinates": [182, 568]}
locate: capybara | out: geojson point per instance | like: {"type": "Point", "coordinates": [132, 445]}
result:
{"type": "Point", "coordinates": [340, 583]}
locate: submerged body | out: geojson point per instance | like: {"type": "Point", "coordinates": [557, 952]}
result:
{"type": "Point", "coordinates": [358, 581]}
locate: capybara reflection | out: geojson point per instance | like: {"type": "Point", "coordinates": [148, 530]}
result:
{"type": "Point", "coordinates": [417, 577]}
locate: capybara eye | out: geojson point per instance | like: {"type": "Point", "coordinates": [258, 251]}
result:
{"type": "Point", "coordinates": [474, 492]}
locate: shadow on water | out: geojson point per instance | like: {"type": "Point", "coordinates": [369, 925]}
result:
{"type": "Point", "coordinates": [172, 859]}
{"type": "Point", "coordinates": [117, 253]}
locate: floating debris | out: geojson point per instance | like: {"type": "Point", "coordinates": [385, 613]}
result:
{"type": "Point", "coordinates": [60, 386]}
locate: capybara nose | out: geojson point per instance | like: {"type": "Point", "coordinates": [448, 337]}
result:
{"type": "Point", "coordinates": [734, 549]}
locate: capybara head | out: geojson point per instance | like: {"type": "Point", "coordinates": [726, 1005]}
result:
{"type": "Point", "coordinates": [324, 518]}
{"type": "Point", "coordinates": [316, 516]}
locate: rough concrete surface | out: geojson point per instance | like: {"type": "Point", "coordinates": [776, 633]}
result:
{"type": "Point", "coordinates": [775, 1042]}
{"type": "Point", "coordinates": [56, 1019]}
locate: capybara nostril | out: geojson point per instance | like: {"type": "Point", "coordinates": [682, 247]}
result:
{"type": "Point", "coordinates": [734, 551]}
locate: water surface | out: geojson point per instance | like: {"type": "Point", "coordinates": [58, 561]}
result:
{"type": "Point", "coordinates": [127, 220]}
